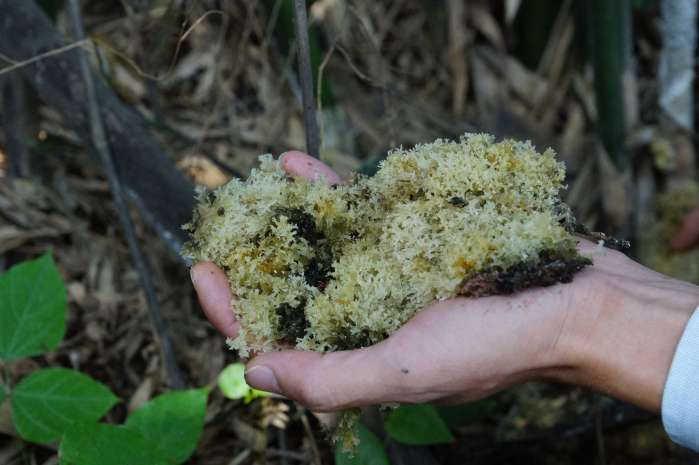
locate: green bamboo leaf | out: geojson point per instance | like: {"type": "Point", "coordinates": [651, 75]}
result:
{"type": "Point", "coordinates": [369, 452]}
{"type": "Point", "coordinates": [50, 401]}
{"type": "Point", "coordinates": [32, 309]}
{"type": "Point", "coordinates": [609, 22]}
{"type": "Point", "coordinates": [94, 443]}
{"type": "Point", "coordinates": [417, 425]}
{"type": "Point", "coordinates": [173, 422]}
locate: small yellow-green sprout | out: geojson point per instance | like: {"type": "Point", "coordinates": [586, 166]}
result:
{"type": "Point", "coordinates": [327, 268]}
{"type": "Point", "coordinates": [231, 382]}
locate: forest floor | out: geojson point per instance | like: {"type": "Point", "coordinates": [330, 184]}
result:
{"type": "Point", "coordinates": [217, 82]}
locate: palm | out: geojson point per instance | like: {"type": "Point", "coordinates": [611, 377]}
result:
{"type": "Point", "coordinates": [456, 350]}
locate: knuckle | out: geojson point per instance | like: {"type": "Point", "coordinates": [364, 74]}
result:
{"type": "Point", "coordinates": [315, 395]}
{"type": "Point", "coordinates": [318, 398]}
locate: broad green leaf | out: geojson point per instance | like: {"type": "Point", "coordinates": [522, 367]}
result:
{"type": "Point", "coordinates": [369, 452]}
{"type": "Point", "coordinates": [173, 422]}
{"type": "Point", "coordinates": [417, 425]}
{"type": "Point", "coordinates": [49, 401]}
{"type": "Point", "coordinates": [466, 414]}
{"type": "Point", "coordinates": [32, 309]}
{"type": "Point", "coordinates": [95, 443]}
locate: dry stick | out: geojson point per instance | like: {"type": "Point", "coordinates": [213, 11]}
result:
{"type": "Point", "coordinates": [16, 65]}
{"type": "Point", "coordinates": [99, 140]}
{"type": "Point", "coordinates": [306, 76]}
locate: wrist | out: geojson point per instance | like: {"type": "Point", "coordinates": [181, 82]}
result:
{"type": "Point", "coordinates": [622, 340]}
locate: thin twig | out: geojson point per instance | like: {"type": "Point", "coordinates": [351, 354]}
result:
{"type": "Point", "coordinates": [599, 437]}
{"type": "Point", "coordinates": [281, 440]}
{"type": "Point", "coordinates": [319, 87]}
{"type": "Point", "coordinates": [311, 439]}
{"type": "Point", "coordinates": [14, 65]}
{"type": "Point", "coordinates": [19, 64]}
{"type": "Point", "coordinates": [306, 77]}
{"type": "Point", "coordinates": [99, 141]}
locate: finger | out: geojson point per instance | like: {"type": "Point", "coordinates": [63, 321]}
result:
{"type": "Point", "coordinates": [688, 236]}
{"type": "Point", "coordinates": [215, 297]}
{"type": "Point", "coordinates": [585, 245]}
{"type": "Point", "coordinates": [331, 381]}
{"type": "Point", "coordinates": [301, 164]}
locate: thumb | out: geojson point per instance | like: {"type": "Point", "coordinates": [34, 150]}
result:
{"type": "Point", "coordinates": [331, 381]}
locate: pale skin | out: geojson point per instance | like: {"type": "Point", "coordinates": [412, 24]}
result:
{"type": "Point", "coordinates": [613, 329]}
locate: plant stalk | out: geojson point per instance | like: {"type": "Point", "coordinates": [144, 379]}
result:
{"type": "Point", "coordinates": [101, 146]}
{"type": "Point", "coordinates": [610, 33]}
{"type": "Point", "coordinates": [306, 78]}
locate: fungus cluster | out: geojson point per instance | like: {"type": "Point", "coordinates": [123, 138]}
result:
{"type": "Point", "coordinates": [328, 268]}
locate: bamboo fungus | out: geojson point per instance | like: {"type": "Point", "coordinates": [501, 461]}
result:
{"type": "Point", "coordinates": [336, 267]}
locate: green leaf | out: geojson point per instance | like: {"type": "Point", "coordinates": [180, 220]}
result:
{"type": "Point", "coordinates": [50, 401]}
{"type": "Point", "coordinates": [173, 422]}
{"type": "Point", "coordinates": [466, 414]}
{"type": "Point", "coordinates": [231, 381]}
{"type": "Point", "coordinates": [417, 425]}
{"type": "Point", "coordinates": [369, 452]}
{"type": "Point", "coordinates": [94, 443]}
{"type": "Point", "coordinates": [32, 309]}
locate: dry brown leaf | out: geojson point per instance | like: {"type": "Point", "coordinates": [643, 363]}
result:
{"type": "Point", "coordinates": [482, 19]}
{"type": "Point", "coordinates": [142, 394]}
{"type": "Point", "coordinates": [12, 237]}
{"type": "Point", "coordinates": [252, 437]}
{"type": "Point", "coordinates": [7, 426]}
{"type": "Point", "coordinates": [511, 9]}
{"type": "Point", "coordinates": [77, 292]}
{"type": "Point", "coordinates": [203, 171]}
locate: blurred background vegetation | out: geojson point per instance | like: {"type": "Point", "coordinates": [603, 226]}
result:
{"type": "Point", "coordinates": [608, 84]}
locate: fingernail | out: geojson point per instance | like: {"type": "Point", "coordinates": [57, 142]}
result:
{"type": "Point", "coordinates": [193, 276]}
{"type": "Point", "coordinates": [262, 378]}
{"type": "Point", "coordinates": [281, 159]}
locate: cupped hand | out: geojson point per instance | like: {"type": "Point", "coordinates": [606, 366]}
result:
{"type": "Point", "coordinates": [462, 349]}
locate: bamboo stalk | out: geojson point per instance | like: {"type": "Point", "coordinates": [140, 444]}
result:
{"type": "Point", "coordinates": [611, 30]}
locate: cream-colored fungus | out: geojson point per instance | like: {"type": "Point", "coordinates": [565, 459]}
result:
{"type": "Point", "coordinates": [335, 267]}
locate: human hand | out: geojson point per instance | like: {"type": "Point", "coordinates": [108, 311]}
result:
{"type": "Point", "coordinates": [599, 331]}
{"type": "Point", "coordinates": [688, 235]}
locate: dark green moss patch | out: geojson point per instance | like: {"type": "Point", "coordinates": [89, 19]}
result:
{"type": "Point", "coordinates": [292, 321]}
{"type": "Point", "coordinates": [317, 272]}
{"type": "Point", "coordinates": [346, 340]}
{"type": "Point", "coordinates": [457, 201]}
{"type": "Point", "coordinates": [304, 222]}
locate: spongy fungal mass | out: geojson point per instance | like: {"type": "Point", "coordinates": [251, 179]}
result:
{"type": "Point", "coordinates": [328, 268]}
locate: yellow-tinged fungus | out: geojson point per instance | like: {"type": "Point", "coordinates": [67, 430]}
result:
{"type": "Point", "coordinates": [337, 267]}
